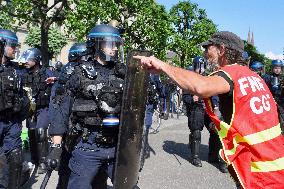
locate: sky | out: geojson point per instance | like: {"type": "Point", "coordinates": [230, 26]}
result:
{"type": "Point", "coordinates": [262, 17]}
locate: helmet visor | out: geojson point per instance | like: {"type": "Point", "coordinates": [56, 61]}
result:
{"type": "Point", "coordinates": [111, 47]}
{"type": "Point", "coordinates": [12, 43]}
{"type": "Point", "coordinates": [25, 57]}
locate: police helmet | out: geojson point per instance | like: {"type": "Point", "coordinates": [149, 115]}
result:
{"type": "Point", "coordinates": [78, 51]}
{"type": "Point", "coordinates": [256, 66]}
{"type": "Point", "coordinates": [58, 65]}
{"type": "Point", "coordinates": [32, 54]}
{"type": "Point", "coordinates": [277, 63]}
{"type": "Point", "coordinates": [106, 42]}
{"type": "Point", "coordinates": [199, 64]}
{"type": "Point", "coordinates": [10, 37]}
{"type": "Point", "coordinates": [245, 56]}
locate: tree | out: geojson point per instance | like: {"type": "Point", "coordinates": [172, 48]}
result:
{"type": "Point", "coordinates": [6, 20]}
{"type": "Point", "coordinates": [144, 23]}
{"type": "Point", "coordinates": [191, 27]}
{"type": "Point", "coordinates": [256, 56]}
{"type": "Point", "coordinates": [38, 13]}
{"type": "Point", "coordinates": [56, 40]}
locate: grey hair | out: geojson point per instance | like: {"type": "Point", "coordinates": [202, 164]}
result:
{"type": "Point", "coordinates": [234, 56]}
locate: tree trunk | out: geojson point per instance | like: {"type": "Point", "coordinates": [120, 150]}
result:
{"type": "Point", "coordinates": [44, 44]}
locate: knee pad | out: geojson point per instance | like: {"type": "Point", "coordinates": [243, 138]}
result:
{"type": "Point", "coordinates": [196, 135]}
{"type": "Point", "coordinates": [41, 134]}
{"type": "Point", "coordinates": [15, 157]}
{"type": "Point", "coordinates": [42, 144]}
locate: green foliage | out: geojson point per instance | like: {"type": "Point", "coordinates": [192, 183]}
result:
{"type": "Point", "coordinates": [191, 27]}
{"type": "Point", "coordinates": [41, 13]}
{"type": "Point", "coordinates": [145, 23]}
{"type": "Point", "coordinates": [256, 56]}
{"type": "Point", "coordinates": [6, 21]}
{"type": "Point", "coordinates": [56, 40]}
{"type": "Point", "coordinates": [34, 11]}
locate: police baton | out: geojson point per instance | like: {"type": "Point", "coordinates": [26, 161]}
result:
{"type": "Point", "coordinates": [53, 165]}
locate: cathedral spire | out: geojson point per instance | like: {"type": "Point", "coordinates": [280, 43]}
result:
{"type": "Point", "coordinates": [252, 39]}
{"type": "Point", "coordinates": [248, 40]}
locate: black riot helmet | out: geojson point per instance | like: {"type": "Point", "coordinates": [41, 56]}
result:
{"type": "Point", "coordinates": [58, 65]}
{"type": "Point", "coordinates": [32, 54]}
{"type": "Point", "coordinates": [78, 52]}
{"type": "Point", "coordinates": [106, 43]}
{"type": "Point", "coordinates": [199, 64]}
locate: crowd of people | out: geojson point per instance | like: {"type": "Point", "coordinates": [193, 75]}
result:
{"type": "Point", "coordinates": [73, 112]}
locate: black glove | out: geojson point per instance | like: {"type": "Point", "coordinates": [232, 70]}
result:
{"type": "Point", "coordinates": [53, 158]}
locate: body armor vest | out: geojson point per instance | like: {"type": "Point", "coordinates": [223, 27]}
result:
{"type": "Point", "coordinates": [9, 90]}
{"type": "Point", "coordinates": [275, 84]}
{"type": "Point", "coordinates": [98, 95]}
{"type": "Point", "coordinates": [37, 89]}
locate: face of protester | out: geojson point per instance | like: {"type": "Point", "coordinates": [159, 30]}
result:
{"type": "Point", "coordinates": [30, 64]}
{"type": "Point", "coordinates": [277, 70]}
{"type": "Point", "coordinates": [211, 54]}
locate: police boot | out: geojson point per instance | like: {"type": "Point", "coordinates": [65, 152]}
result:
{"type": "Point", "coordinates": [15, 168]}
{"type": "Point", "coordinates": [32, 132]}
{"type": "Point", "coordinates": [195, 146]}
{"type": "Point", "coordinates": [147, 148]}
{"type": "Point", "coordinates": [27, 169]}
{"type": "Point", "coordinates": [42, 146]}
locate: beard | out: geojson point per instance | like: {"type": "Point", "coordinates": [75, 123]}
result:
{"type": "Point", "coordinates": [212, 66]}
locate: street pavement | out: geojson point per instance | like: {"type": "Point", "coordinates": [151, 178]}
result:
{"type": "Point", "coordinates": [168, 166]}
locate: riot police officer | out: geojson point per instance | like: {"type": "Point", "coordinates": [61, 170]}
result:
{"type": "Point", "coordinates": [156, 97]}
{"type": "Point", "coordinates": [257, 67]}
{"type": "Point", "coordinates": [34, 80]}
{"type": "Point", "coordinates": [78, 53]}
{"type": "Point", "coordinates": [96, 87]}
{"type": "Point", "coordinates": [57, 67]}
{"type": "Point", "coordinates": [195, 115]}
{"type": "Point", "coordinates": [275, 81]}
{"type": "Point", "coordinates": [13, 107]}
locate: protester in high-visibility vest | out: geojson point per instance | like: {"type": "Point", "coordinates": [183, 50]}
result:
{"type": "Point", "coordinates": [250, 131]}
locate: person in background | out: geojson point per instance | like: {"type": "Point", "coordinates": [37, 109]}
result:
{"type": "Point", "coordinates": [257, 67]}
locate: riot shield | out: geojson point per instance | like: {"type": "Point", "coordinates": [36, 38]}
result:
{"type": "Point", "coordinates": [131, 125]}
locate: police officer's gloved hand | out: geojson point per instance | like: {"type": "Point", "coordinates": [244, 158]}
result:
{"type": "Point", "coordinates": [54, 156]}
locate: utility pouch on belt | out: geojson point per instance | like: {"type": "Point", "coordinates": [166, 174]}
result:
{"type": "Point", "coordinates": [105, 140]}
{"type": "Point", "coordinates": [73, 137]}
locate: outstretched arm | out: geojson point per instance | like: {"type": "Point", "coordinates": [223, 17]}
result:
{"type": "Point", "coordinates": [203, 86]}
